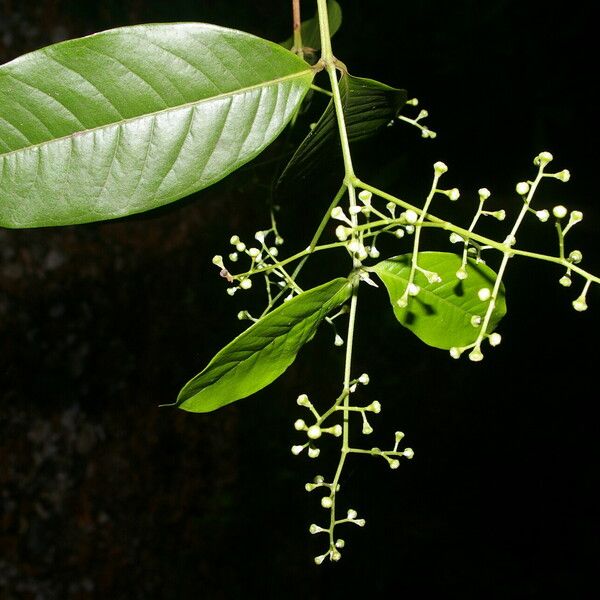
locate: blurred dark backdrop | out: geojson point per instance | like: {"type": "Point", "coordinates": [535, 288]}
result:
{"type": "Point", "coordinates": [103, 495]}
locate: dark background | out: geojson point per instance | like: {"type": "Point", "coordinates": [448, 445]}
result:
{"type": "Point", "coordinates": [103, 495]}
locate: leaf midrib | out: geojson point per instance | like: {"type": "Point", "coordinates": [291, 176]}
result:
{"type": "Point", "coordinates": [121, 122]}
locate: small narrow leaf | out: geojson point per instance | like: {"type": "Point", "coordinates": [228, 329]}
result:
{"type": "Point", "coordinates": [264, 351]}
{"type": "Point", "coordinates": [310, 30]}
{"type": "Point", "coordinates": [442, 314]}
{"type": "Point", "coordinates": [368, 107]}
{"type": "Point", "coordinates": [130, 119]}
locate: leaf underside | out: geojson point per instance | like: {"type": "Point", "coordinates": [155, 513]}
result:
{"type": "Point", "coordinates": [264, 351]}
{"type": "Point", "coordinates": [130, 119]}
{"type": "Point", "coordinates": [368, 106]}
{"type": "Point", "coordinates": [440, 315]}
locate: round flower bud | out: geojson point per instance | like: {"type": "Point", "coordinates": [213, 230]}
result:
{"type": "Point", "coordinates": [340, 543]}
{"type": "Point", "coordinates": [454, 352]}
{"type": "Point", "coordinates": [273, 251]}
{"type": "Point", "coordinates": [246, 284]}
{"type": "Point", "coordinates": [484, 194]}
{"type": "Point", "coordinates": [411, 217]}
{"type": "Point", "coordinates": [218, 260]}
{"type": "Point", "coordinates": [319, 479]}
{"type": "Point", "coordinates": [522, 188]}
{"type": "Point", "coordinates": [319, 559]}
{"type": "Point", "coordinates": [337, 430]}
{"type": "Point", "coordinates": [375, 406]}
{"type": "Point", "coordinates": [338, 341]}
{"type": "Point", "coordinates": [563, 175]}
{"type": "Point", "coordinates": [542, 215]}
{"type": "Point", "coordinates": [233, 257]}
{"type": "Point", "coordinates": [373, 252]}
{"type": "Point", "coordinates": [314, 528]}
{"type": "Point", "coordinates": [575, 256]}
{"type": "Point", "coordinates": [352, 514]}
{"type": "Point", "coordinates": [394, 464]}
{"type": "Point", "coordinates": [454, 194]}
{"type": "Point", "coordinates": [335, 555]}
{"type": "Point", "coordinates": [234, 240]}
{"type": "Point", "coordinates": [440, 168]}
{"type": "Point", "coordinates": [484, 294]}
{"type": "Point", "coordinates": [413, 289]}
{"type": "Point", "coordinates": [495, 339]}
{"type": "Point", "coordinates": [297, 449]}
{"type": "Point", "coordinates": [576, 216]}
{"type": "Point", "coordinates": [360, 522]}
{"type": "Point", "coordinates": [475, 321]}
{"type": "Point", "coordinates": [408, 453]}
{"type": "Point", "coordinates": [326, 502]}
{"type": "Point", "coordinates": [299, 425]}
{"type": "Point", "coordinates": [338, 213]}
{"type": "Point", "coordinates": [560, 212]}
{"type": "Point", "coordinates": [232, 290]}
{"type": "Point", "coordinates": [240, 247]}
{"type": "Point", "coordinates": [259, 236]}
{"type": "Point", "coordinates": [499, 214]}
{"type": "Point", "coordinates": [565, 281]}
{"type": "Point", "coordinates": [313, 452]}
{"type": "Point", "coordinates": [341, 233]}
{"type": "Point", "coordinates": [364, 379]}
{"type": "Point", "coordinates": [314, 432]}
{"type": "Point", "coordinates": [399, 233]}
{"type": "Point", "coordinates": [278, 240]}
{"type": "Point", "coordinates": [302, 400]}
{"type": "Point", "coordinates": [455, 238]}
{"type": "Point", "coordinates": [543, 158]}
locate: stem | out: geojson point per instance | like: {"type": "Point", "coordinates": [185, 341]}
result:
{"type": "Point", "coordinates": [297, 28]}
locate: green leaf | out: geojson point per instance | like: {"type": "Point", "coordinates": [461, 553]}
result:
{"type": "Point", "coordinates": [368, 107]}
{"type": "Point", "coordinates": [441, 313]}
{"type": "Point", "coordinates": [264, 351]}
{"type": "Point", "coordinates": [130, 119]}
{"type": "Point", "coordinates": [310, 30]}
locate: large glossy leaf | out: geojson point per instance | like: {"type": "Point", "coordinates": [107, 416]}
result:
{"type": "Point", "coordinates": [368, 107]}
{"type": "Point", "coordinates": [264, 351]}
{"type": "Point", "coordinates": [310, 30]}
{"type": "Point", "coordinates": [129, 119]}
{"type": "Point", "coordinates": [441, 313]}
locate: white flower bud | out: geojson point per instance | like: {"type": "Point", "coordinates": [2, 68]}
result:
{"type": "Point", "coordinates": [299, 425]}
{"type": "Point", "coordinates": [259, 236]}
{"type": "Point", "coordinates": [499, 214]}
{"type": "Point", "coordinates": [399, 233]}
{"type": "Point", "coordinates": [580, 305]}
{"type": "Point", "coordinates": [319, 559]}
{"type": "Point", "coordinates": [338, 213]}
{"type": "Point", "coordinates": [313, 452]}
{"type": "Point", "coordinates": [314, 528]}
{"type": "Point", "coordinates": [218, 260]}
{"type": "Point", "coordinates": [338, 341]}
{"type": "Point", "coordinates": [375, 407]}
{"type": "Point", "coordinates": [373, 252]}
{"type": "Point", "coordinates": [413, 289]}
{"type": "Point", "coordinates": [302, 400]}
{"type": "Point", "coordinates": [575, 217]}
{"type": "Point", "coordinates": [297, 449]}
{"type": "Point", "coordinates": [484, 294]}
{"type": "Point", "coordinates": [354, 210]}
{"type": "Point", "coordinates": [565, 281]}
{"type": "Point", "coordinates": [408, 453]}
{"type": "Point", "coordinates": [575, 256]}
{"type": "Point", "coordinates": [542, 159]}
{"type": "Point", "coordinates": [422, 115]}
{"type": "Point", "coordinates": [495, 339]}
{"type": "Point", "coordinates": [234, 240]}
{"type": "Point", "coordinates": [394, 464]}
{"type": "Point", "coordinates": [314, 432]}
{"type": "Point", "coordinates": [522, 188]}
{"type": "Point", "coordinates": [337, 430]}
{"type": "Point", "coordinates": [273, 251]}
{"type": "Point", "coordinates": [440, 168]}
{"type": "Point", "coordinates": [365, 197]}
{"type": "Point", "coordinates": [233, 257]}
{"type": "Point", "coordinates": [391, 207]}
{"type": "Point", "coordinates": [246, 284]}
{"type": "Point", "coordinates": [484, 194]}
{"type": "Point", "coordinates": [278, 240]}
{"type": "Point", "coordinates": [563, 175]}
{"type": "Point", "coordinates": [542, 215]}
{"type": "Point", "coordinates": [475, 321]}
{"type": "Point", "coordinates": [253, 252]}
{"type": "Point", "coordinates": [560, 212]}
{"type": "Point", "coordinates": [326, 502]}
{"type": "Point", "coordinates": [461, 274]}
{"type": "Point", "coordinates": [476, 355]}
{"type": "Point", "coordinates": [455, 352]}
{"type": "Point", "coordinates": [232, 290]}
{"type": "Point", "coordinates": [240, 247]}
{"type": "Point", "coordinates": [411, 217]}
{"type": "Point", "coordinates": [455, 238]}
{"type": "Point", "coordinates": [454, 194]}
{"type": "Point", "coordinates": [352, 514]}
{"type": "Point", "coordinates": [364, 379]}
{"type": "Point", "coordinates": [335, 555]}
{"type": "Point", "coordinates": [398, 436]}
{"type": "Point", "coordinates": [341, 233]}
{"type": "Point", "coordinates": [340, 543]}
{"type": "Point", "coordinates": [366, 428]}
{"type": "Point", "coordinates": [360, 522]}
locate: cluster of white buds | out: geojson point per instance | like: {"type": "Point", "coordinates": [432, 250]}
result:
{"type": "Point", "coordinates": [423, 114]}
